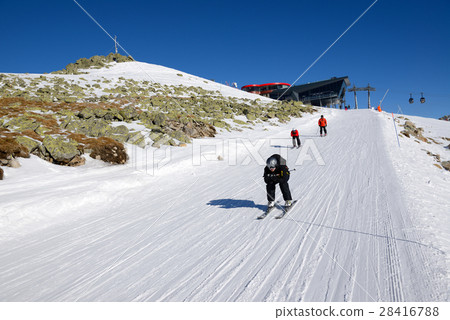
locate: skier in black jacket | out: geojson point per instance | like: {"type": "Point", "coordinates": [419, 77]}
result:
{"type": "Point", "coordinates": [275, 172]}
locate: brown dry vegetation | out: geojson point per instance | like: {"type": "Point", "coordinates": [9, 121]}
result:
{"type": "Point", "coordinates": [79, 137]}
{"type": "Point", "coordinates": [31, 134]}
{"type": "Point", "coordinates": [13, 107]}
{"type": "Point", "coordinates": [7, 134]}
{"type": "Point", "coordinates": [10, 148]}
{"type": "Point", "coordinates": [84, 142]}
{"type": "Point", "coordinates": [108, 150]}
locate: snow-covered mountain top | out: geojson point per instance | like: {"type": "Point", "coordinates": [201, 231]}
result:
{"type": "Point", "coordinates": [141, 71]}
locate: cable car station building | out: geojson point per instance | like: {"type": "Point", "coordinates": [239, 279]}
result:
{"type": "Point", "coordinates": [322, 93]}
{"type": "Point", "coordinates": [266, 88]}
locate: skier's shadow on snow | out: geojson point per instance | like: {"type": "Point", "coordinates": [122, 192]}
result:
{"type": "Point", "coordinates": [276, 146]}
{"type": "Point", "coordinates": [235, 203]}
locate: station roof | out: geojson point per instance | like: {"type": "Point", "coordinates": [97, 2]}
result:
{"type": "Point", "coordinates": [318, 84]}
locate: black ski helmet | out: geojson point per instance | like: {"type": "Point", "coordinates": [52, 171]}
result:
{"type": "Point", "coordinates": [272, 162]}
{"type": "Point", "coordinates": [321, 116]}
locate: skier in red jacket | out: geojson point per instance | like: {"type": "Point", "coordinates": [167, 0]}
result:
{"type": "Point", "coordinates": [323, 125]}
{"type": "Point", "coordinates": [295, 138]}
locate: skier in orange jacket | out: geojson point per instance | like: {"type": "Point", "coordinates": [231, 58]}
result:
{"type": "Point", "coordinates": [323, 125]}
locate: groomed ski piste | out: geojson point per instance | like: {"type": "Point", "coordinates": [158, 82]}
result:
{"type": "Point", "coordinates": [178, 224]}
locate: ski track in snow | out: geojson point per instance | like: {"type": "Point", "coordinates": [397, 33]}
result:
{"type": "Point", "coordinates": [196, 237]}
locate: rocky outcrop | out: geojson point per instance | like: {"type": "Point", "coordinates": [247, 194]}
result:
{"type": "Point", "coordinates": [59, 150]}
{"type": "Point", "coordinates": [192, 129]}
{"type": "Point", "coordinates": [436, 156]}
{"type": "Point", "coordinates": [93, 62]}
{"type": "Point", "coordinates": [129, 113]}
{"type": "Point", "coordinates": [22, 123]}
{"type": "Point", "coordinates": [411, 130]}
{"type": "Point", "coordinates": [98, 127]}
{"type": "Point", "coordinates": [135, 137]}
{"type": "Point", "coordinates": [10, 161]}
{"type": "Point", "coordinates": [165, 129]}
{"type": "Point", "coordinates": [28, 143]}
{"type": "Point", "coordinates": [162, 139]}
{"type": "Point", "coordinates": [446, 165]}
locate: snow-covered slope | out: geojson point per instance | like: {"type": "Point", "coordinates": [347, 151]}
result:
{"type": "Point", "coordinates": [176, 224]}
{"type": "Point", "coordinates": [425, 184]}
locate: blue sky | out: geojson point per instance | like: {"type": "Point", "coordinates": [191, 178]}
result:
{"type": "Point", "coordinates": [400, 45]}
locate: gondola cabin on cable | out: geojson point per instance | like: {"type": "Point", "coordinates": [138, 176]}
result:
{"type": "Point", "coordinates": [411, 99]}
{"type": "Point", "coordinates": [422, 99]}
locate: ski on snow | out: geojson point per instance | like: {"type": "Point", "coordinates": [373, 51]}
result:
{"type": "Point", "coordinates": [268, 210]}
{"type": "Point", "coordinates": [284, 208]}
